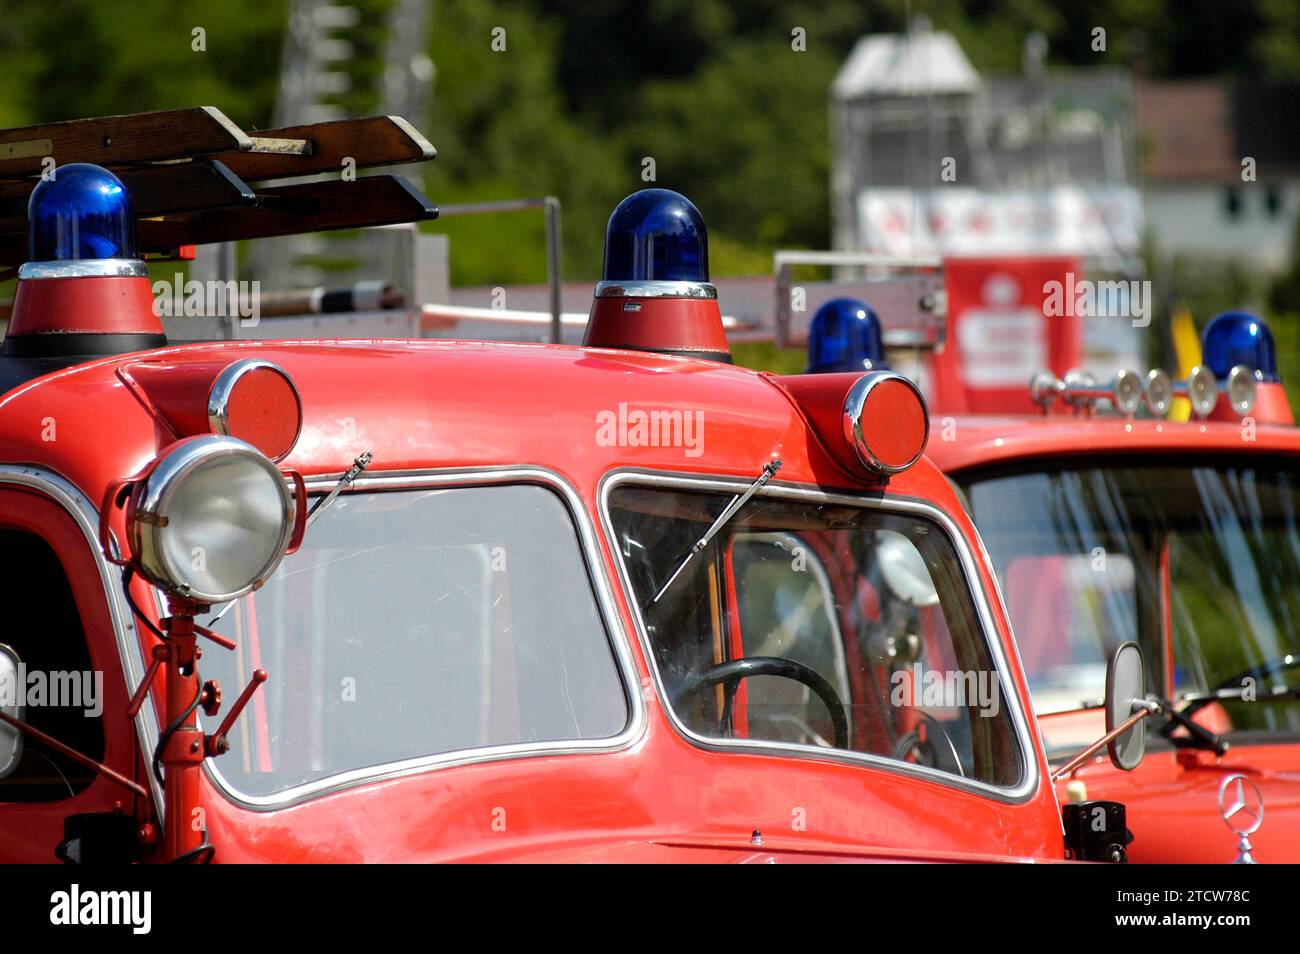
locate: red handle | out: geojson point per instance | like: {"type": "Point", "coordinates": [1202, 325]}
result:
{"type": "Point", "coordinates": [112, 496]}
{"type": "Point", "coordinates": [299, 512]}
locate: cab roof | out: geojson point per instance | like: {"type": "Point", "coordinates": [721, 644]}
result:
{"type": "Point", "coordinates": [959, 443]}
{"type": "Point", "coordinates": [423, 404]}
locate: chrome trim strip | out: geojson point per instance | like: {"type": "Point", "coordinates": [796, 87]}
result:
{"type": "Point", "coordinates": [85, 268]}
{"type": "Point", "coordinates": [86, 515]}
{"type": "Point", "coordinates": [619, 641]}
{"type": "Point", "coordinates": [656, 289]}
{"type": "Point", "coordinates": [1029, 767]}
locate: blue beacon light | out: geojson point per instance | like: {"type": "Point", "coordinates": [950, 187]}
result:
{"type": "Point", "coordinates": [1238, 337]}
{"type": "Point", "coordinates": [656, 235]}
{"type": "Point", "coordinates": [83, 290]}
{"type": "Point", "coordinates": [655, 294]}
{"type": "Point", "coordinates": [845, 336]}
{"type": "Point", "coordinates": [82, 213]}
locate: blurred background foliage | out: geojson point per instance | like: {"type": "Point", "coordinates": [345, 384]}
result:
{"type": "Point", "coordinates": [585, 91]}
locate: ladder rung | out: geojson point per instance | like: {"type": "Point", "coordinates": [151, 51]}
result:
{"type": "Point", "coordinates": [263, 145]}
{"type": "Point", "coordinates": [371, 141]}
{"type": "Point", "coordinates": [119, 140]}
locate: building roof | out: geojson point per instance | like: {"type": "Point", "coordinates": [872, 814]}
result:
{"type": "Point", "coordinates": [1201, 130]}
{"type": "Point", "coordinates": [918, 64]}
{"type": "Point", "coordinates": [1185, 129]}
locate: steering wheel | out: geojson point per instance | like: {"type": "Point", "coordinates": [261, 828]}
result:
{"type": "Point", "coordinates": [910, 743]}
{"type": "Point", "coordinates": [731, 672]}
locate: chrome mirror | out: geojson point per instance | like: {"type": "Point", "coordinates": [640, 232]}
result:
{"type": "Point", "coordinates": [1125, 688]}
{"type": "Point", "coordinates": [11, 739]}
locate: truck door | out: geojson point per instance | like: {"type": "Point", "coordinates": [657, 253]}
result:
{"type": "Point", "coordinates": [57, 622]}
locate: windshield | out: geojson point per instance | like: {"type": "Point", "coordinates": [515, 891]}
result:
{"type": "Point", "coordinates": [1196, 561]}
{"type": "Point", "coordinates": [816, 625]}
{"type": "Point", "coordinates": [414, 623]}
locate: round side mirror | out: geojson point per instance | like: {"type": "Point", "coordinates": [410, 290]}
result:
{"type": "Point", "coordinates": [11, 740]}
{"type": "Point", "coordinates": [1125, 685]}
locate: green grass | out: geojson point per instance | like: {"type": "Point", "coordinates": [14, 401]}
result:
{"type": "Point", "coordinates": [765, 356]}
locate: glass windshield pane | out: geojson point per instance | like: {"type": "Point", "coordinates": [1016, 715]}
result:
{"type": "Point", "coordinates": [1085, 555]}
{"type": "Point", "coordinates": [789, 611]}
{"type": "Point", "coordinates": [413, 623]}
{"type": "Point", "coordinates": [816, 625]}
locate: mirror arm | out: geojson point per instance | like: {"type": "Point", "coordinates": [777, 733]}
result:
{"type": "Point", "coordinates": [97, 767]}
{"type": "Point", "coordinates": [1144, 707]}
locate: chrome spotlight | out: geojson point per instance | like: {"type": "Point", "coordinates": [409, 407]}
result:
{"type": "Point", "coordinates": [1241, 390]}
{"type": "Point", "coordinates": [1159, 393]}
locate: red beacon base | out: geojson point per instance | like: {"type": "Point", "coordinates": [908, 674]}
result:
{"type": "Point", "coordinates": [57, 314]}
{"type": "Point", "coordinates": [686, 326]}
{"type": "Point", "coordinates": [1271, 407]}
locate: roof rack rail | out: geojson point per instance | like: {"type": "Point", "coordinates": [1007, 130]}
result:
{"type": "Point", "coordinates": [188, 172]}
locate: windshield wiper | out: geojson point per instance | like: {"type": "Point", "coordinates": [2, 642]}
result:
{"type": "Point", "coordinates": [1231, 687]}
{"type": "Point", "coordinates": [1227, 690]}
{"type": "Point", "coordinates": [738, 501]}
{"type": "Point", "coordinates": [353, 472]}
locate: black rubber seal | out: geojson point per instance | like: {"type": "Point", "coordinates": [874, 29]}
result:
{"type": "Point", "coordinates": [722, 356]}
{"type": "Point", "coordinates": [89, 344]}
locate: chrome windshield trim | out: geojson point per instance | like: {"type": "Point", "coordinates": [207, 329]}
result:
{"type": "Point", "coordinates": [1030, 774]}
{"type": "Point", "coordinates": [602, 588]}
{"type": "Point", "coordinates": [129, 651]}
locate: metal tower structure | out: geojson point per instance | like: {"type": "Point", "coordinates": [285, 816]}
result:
{"type": "Point", "coordinates": [318, 70]}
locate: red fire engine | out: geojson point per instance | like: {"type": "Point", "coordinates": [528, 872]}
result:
{"type": "Point", "coordinates": [429, 600]}
{"type": "Point", "coordinates": [1109, 520]}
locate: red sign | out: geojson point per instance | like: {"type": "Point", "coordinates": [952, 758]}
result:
{"type": "Point", "coordinates": [999, 335]}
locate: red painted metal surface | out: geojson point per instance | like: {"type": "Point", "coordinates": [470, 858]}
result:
{"type": "Point", "coordinates": [657, 324]}
{"type": "Point", "coordinates": [819, 400]}
{"type": "Point", "coordinates": [1173, 807]}
{"type": "Point", "coordinates": [445, 404]}
{"type": "Point", "coordinates": [116, 305]}
{"type": "Point", "coordinates": [182, 755]}
{"type": "Point", "coordinates": [262, 408]}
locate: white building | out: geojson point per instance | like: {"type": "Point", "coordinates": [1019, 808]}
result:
{"type": "Point", "coordinates": [929, 157]}
{"type": "Point", "coordinates": [1221, 170]}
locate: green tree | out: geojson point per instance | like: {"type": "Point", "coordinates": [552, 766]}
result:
{"type": "Point", "coordinates": [67, 59]}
